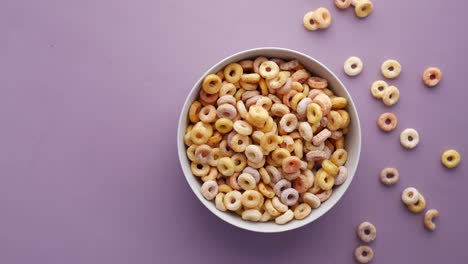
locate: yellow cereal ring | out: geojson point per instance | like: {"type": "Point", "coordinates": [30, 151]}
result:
{"type": "Point", "coordinates": [324, 180]}
{"type": "Point", "coordinates": [419, 206]}
{"type": "Point", "coordinates": [266, 190]}
{"type": "Point", "coordinates": [251, 199]}
{"type": "Point", "coordinates": [339, 103]}
{"type": "Point", "coordinates": [199, 135]}
{"type": "Point", "coordinates": [278, 155]}
{"type": "Point", "coordinates": [329, 167]}
{"type": "Point", "coordinates": [212, 84]}
{"type": "Point", "coordinates": [295, 100]}
{"type": "Point", "coordinates": [258, 115]}
{"type": "Point", "coordinates": [239, 94]}
{"type": "Point", "coordinates": [335, 121]}
{"type": "Point", "coordinates": [240, 162]}
{"type": "Point", "coordinates": [363, 8]}
{"type": "Point", "coordinates": [270, 141]}
{"type": "Point", "coordinates": [194, 111]}
{"type": "Point", "coordinates": [345, 118]}
{"type": "Point", "coordinates": [269, 70]}
{"type": "Point", "coordinates": [265, 176]}
{"type": "Point", "coordinates": [239, 142]}
{"type": "Point", "coordinates": [223, 125]}
{"type": "Point", "coordinates": [339, 157]}
{"type": "Point", "coordinates": [199, 170]}
{"type": "Point", "coordinates": [224, 188]}
{"type": "Point", "coordinates": [299, 148]}
{"type": "Point", "coordinates": [451, 158]}
{"type": "Point", "coordinates": [226, 166]}
{"type": "Point", "coordinates": [271, 209]}
{"type": "Point", "coordinates": [314, 113]}
{"type": "Point", "coordinates": [269, 124]}
{"type": "Point", "coordinates": [233, 72]}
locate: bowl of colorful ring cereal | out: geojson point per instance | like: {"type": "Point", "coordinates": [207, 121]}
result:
{"type": "Point", "coordinates": [269, 139]}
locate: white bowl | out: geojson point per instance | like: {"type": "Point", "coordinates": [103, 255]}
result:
{"type": "Point", "coordinates": [353, 138]}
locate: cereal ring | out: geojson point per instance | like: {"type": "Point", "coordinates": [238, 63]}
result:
{"type": "Point", "coordinates": [288, 143]}
{"type": "Point", "coordinates": [279, 154]}
{"type": "Point", "coordinates": [450, 158]}
{"type": "Point", "coordinates": [329, 167]}
{"type": "Point", "coordinates": [249, 94]}
{"type": "Point", "coordinates": [209, 190]}
{"type": "Point", "coordinates": [302, 184]}
{"type": "Point", "coordinates": [232, 181]}
{"type": "Point", "coordinates": [246, 181]}
{"type": "Point", "coordinates": [254, 153]}
{"type": "Point", "coordinates": [389, 176]}
{"type": "Point", "coordinates": [232, 200]}
{"type": "Point", "coordinates": [252, 215]}
{"type": "Point", "coordinates": [390, 69]}
{"type": "Point", "coordinates": [291, 164]}
{"type": "Point", "coordinates": [364, 254]}
{"type": "Point", "coordinates": [233, 72]}
{"type": "Point", "coordinates": [288, 122]}
{"type": "Point", "coordinates": [387, 121]}
{"type": "Point", "coordinates": [305, 130]}
{"type": "Point", "coordinates": [362, 8]}
{"type": "Point", "coordinates": [239, 142]}
{"type": "Point", "coordinates": [367, 232]}
{"type": "Point", "coordinates": [250, 77]}
{"type": "Point", "coordinates": [266, 217]}
{"type": "Point", "coordinates": [322, 17]}
{"type": "Point", "coordinates": [342, 175]}
{"type": "Point", "coordinates": [391, 96]}
{"type": "Point", "coordinates": [316, 155]}
{"type": "Point", "coordinates": [242, 127]}
{"type": "Point", "coordinates": [241, 109]}
{"type": "Point", "coordinates": [248, 86]}
{"type": "Point", "coordinates": [226, 166]}
{"type": "Point", "coordinates": [302, 211]}
{"type": "Point", "coordinates": [378, 89]}
{"type": "Point", "coordinates": [339, 103]}
{"type": "Point", "coordinates": [301, 108]}
{"type": "Point", "coordinates": [240, 161]}
{"type": "Point", "coordinates": [345, 118]}
{"type": "Point", "coordinates": [274, 173]}
{"type": "Point", "coordinates": [226, 99]}
{"type": "Point", "coordinates": [291, 176]}
{"type": "Point", "coordinates": [311, 200]}
{"type": "Point", "coordinates": [300, 77]}
{"type": "Point", "coordinates": [194, 111]}
{"type": "Point", "coordinates": [278, 205]}
{"type": "Point", "coordinates": [309, 21]}
{"type": "Point", "coordinates": [270, 126]}
{"type": "Point", "coordinates": [251, 199]}
{"type": "Point", "coordinates": [270, 141]}
{"type": "Point", "coordinates": [257, 116]}
{"type": "Point", "coordinates": [295, 100]}
{"type": "Point", "coordinates": [191, 153]}
{"type": "Point", "coordinates": [286, 88]}
{"type": "Point", "coordinates": [432, 76]}
{"type": "Point", "coordinates": [325, 195]}
{"type": "Point", "coordinates": [223, 149]}
{"type": "Point", "coordinates": [252, 172]}
{"type": "Point", "coordinates": [289, 196]}
{"type": "Point", "coordinates": [342, 4]}
{"type": "Point", "coordinates": [223, 125]}
{"type": "Point", "coordinates": [353, 66]}
{"type": "Point", "coordinates": [336, 135]}
{"type": "Point", "coordinates": [219, 202]}
{"type": "Point", "coordinates": [224, 111]}
{"type": "Point", "coordinates": [269, 70]}
{"type": "Point", "coordinates": [324, 180]}
{"type": "Point", "coordinates": [224, 188]}
{"type": "Point", "coordinates": [429, 219]}
{"type": "Point", "coordinates": [199, 170]}
{"type": "Point", "coordinates": [279, 110]}
{"type": "Point", "coordinates": [227, 89]}
{"type": "Point", "coordinates": [257, 62]}
{"type": "Point", "coordinates": [264, 102]}
{"type": "Point", "coordinates": [314, 113]}
{"type": "Point", "coordinates": [247, 65]}
{"type": "Point", "coordinates": [285, 218]}
{"type": "Point", "coordinates": [419, 206]}
{"type": "Point", "coordinates": [211, 84]}
{"type": "Point", "coordinates": [410, 196]}
{"type": "Point", "coordinates": [321, 137]}
{"type": "Point", "coordinates": [291, 65]}
{"type": "Point", "coordinates": [280, 186]}
{"type": "Point", "coordinates": [334, 121]}
{"type": "Point", "coordinates": [257, 136]}
{"type": "Point", "coordinates": [324, 101]}
{"type": "Point", "coordinates": [266, 190]}
{"type": "Point", "coordinates": [409, 138]}
{"type": "Point", "coordinates": [279, 81]}
{"type": "Point", "coordinates": [204, 154]}
{"type": "Point", "coordinates": [207, 114]}
{"type": "Point", "coordinates": [268, 205]}
{"type": "Point", "coordinates": [239, 93]}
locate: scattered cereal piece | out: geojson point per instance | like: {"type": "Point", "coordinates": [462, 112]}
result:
{"type": "Point", "coordinates": [378, 88]}
{"type": "Point", "coordinates": [409, 138]}
{"type": "Point", "coordinates": [353, 66]}
{"type": "Point", "coordinates": [367, 232]}
{"type": "Point", "coordinates": [322, 17]}
{"type": "Point", "coordinates": [342, 4]}
{"type": "Point", "coordinates": [362, 8]}
{"type": "Point", "coordinates": [309, 21]}
{"type": "Point", "coordinates": [391, 95]}
{"type": "Point", "coordinates": [364, 254]}
{"type": "Point", "coordinates": [410, 196]}
{"type": "Point", "coordinates": [389, 176]}
{"type": "Point", "coordinates": [429, 219]}
{"type": "Point", "coordinates": [390, 69]}
{"type": "Point", "coordinates": [432, 76]}
{"type": "Point", "coordinates": [387, 121]}
{"type": "Point", "coordinates": [419, 206]}
{"type": "Point", "coordinates": [451, 158]}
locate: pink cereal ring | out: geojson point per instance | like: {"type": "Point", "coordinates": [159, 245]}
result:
{"type": "Point", "coordinates": [226, 99]}
{"type": "Point", "coordinates": [300, 76]}
{"type": "Point", "coordinates": [316, 155]}
{"type": "Point", "coordinates": [253, 172]}
{"type": "Point", "coordinates": [209, 189]}
{"type": "Point", "coordinates": [291, 164]}
{"type": "Point", "coordinates": [207, 114]}
{"type": "Point", "coordinates": [280, 186]}
{"type": "Point", "coordinates": [204, 154]}
{"type": "Point", "coordinates": [305, 130]}
{"type": "Point", "coordinates": [288, 97]}
{"type": "Point", "coordinates": [275, 174]}
{"type": "Point", "coordinates": [288, 122]}
{"type": "Point", "coordinates": [289, 196]}
{"type": "Point", "coordinates": [291, 65]}
{"type": "Point", "coordinates": [324, 102]}
{"type": "Point", "coordinates": [341, 176]}
{"type": "Point", "coordinates": [301, 184]}
{"type": "Point", "coordinates": [232, 181]}
{"type": "Point", "coordinates": [208, 98]}
{"type": "Point", "coordinates": [227, 111]}
{"type": "Point", "coordinates": [249, 94]}
{"type": "Point", "coordinates": [317, 82]}
{"type": "Point", "coordinates": [323, 196]}
{"type": "Point", "coordinates": [342, 4]}
{"type": "Point", "coordinates": [302, 106]}
{"type": "Point", "coordinates": [286, 87]}
{"type": "Point", "coordinates": [252, 100]}
{"type": "Point", "coordinates": [313, 93]}
{"type": "Point", "coordinates": [321, 137]}
{"type": "Point", "coordinates": [291, 176]}
{"type": "Point", "coordinates": [432, 76]}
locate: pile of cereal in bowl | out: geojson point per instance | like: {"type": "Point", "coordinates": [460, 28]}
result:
{"type": "Point", "coordinates": [267, 139]}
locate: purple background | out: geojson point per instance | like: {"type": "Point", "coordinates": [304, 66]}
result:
{"type": "Point", "coordinates": [90, 93]}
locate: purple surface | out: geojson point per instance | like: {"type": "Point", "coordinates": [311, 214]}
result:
{"type": "Point", "coordinates": [90, 93]}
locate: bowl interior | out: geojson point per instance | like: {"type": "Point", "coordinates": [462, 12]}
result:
{"type": "Point", "coordinates": [353, 138]}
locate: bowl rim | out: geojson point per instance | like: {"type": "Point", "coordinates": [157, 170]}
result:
{"type": "Point", "coordinates": [181, 144]}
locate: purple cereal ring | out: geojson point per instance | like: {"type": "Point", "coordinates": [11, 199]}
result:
{"type": "Point", "coordinates": [226, 99]}
{"type": "Point", "coordinates": [280, 186]}
{"type": "Point", "coordinates": [227, 111]}
{"type": "Point", "coordinates": [209, 189]}
{"type": "Point", "coordinates": [289, 196]}
{"type": "Point", "coordinates": [275, 174]}
{"type": "Point", "coordinates": [252, 172]}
